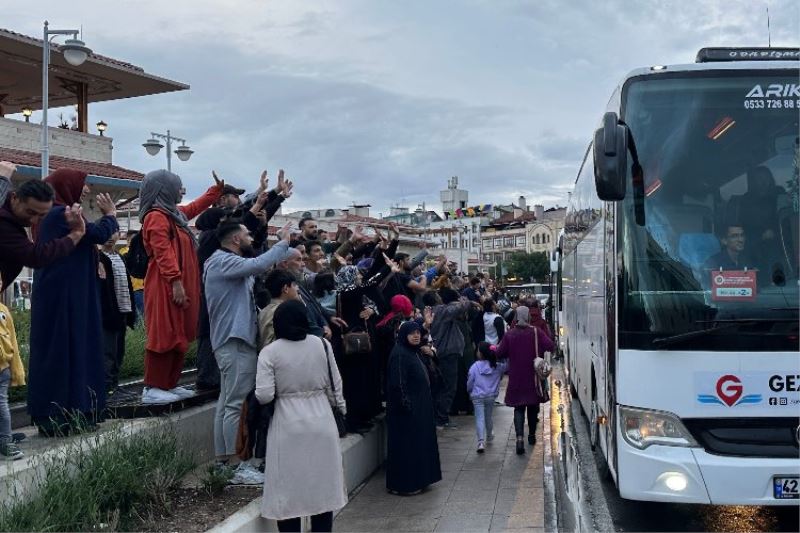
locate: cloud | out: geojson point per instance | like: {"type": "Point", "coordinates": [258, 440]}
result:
{"type": "Point", "coordinates": [380, 102]}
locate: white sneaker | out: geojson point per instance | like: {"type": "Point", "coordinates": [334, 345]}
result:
{"type": "Point", "coordinates": [182, 392]}
{"type": "Point", "coordinates": [154, 396]}
{"type": "Point", "coordinates": [247, 474]}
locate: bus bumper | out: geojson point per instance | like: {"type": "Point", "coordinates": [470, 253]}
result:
{"type": "Point", "coordinates": [691, 475]}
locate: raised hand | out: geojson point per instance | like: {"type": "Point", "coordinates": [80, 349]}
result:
{"type": "Point", "coordinates": [106, 205]}
{"type": "Point", "coordinates": [260, 201]}
{"type": "Point", "coordinates": [74, 218]}
{"type": "Point", "coordinates": [285, 233]}
{"type": "Point", "coordinates": [7, 168]}
{"type": "Point", "coordinates": [286, 190]}
{"type": "Point", "coordinates": [263, 182]}
{"type": "Point", "coordinates": [220, 183]}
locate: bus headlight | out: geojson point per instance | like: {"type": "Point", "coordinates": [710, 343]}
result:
{"type": "Point", "coordinates": [644, 427]}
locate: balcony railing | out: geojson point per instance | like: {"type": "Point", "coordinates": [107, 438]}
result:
{"type": "Point", "coordinates": [19, 135]}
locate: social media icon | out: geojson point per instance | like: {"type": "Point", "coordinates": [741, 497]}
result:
{"type": "Point", "coordinates": [773, 401]}
{"type": "Point", "coordinates": [784, 401]}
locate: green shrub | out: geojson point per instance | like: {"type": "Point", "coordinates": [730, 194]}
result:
{"type": "Point", "coordinates": [109, 486]}
{"type": "Point", "coordinates": [132, 365]}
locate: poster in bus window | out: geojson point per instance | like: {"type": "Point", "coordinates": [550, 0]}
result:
{"type": "Point", "coordinates": [733, 285]}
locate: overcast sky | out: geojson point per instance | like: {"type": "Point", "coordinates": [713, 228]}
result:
{"type": "Point", "coordinates": [381, 101]}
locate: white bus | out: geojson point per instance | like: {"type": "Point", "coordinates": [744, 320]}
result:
{"type": "Point", "coordinates": [679, 282]}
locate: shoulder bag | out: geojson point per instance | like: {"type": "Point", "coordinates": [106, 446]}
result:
{"type": "Point", "coordinates": [542, 369]}
{"type": "Point", "coordinates": [338, 416]}
{"type": "Point", "coordinates": [355, 342]}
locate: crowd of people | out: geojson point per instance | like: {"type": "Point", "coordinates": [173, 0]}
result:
{"type": "Point", "coordinates": [306, 339]}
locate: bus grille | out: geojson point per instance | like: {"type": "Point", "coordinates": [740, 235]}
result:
{"type": "Point", "coordinates": [747, 437]}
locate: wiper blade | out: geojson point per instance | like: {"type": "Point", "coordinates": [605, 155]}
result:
{"type": "Point", "coordinates": [725, 323]}
{"type": "Point", "coordinates": [673, 339]}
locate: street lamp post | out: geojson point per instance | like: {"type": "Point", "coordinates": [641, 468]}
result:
{"type": "Point", "coordinates": [153, 147]}
{"type": "Point", "coordinates": [75, 53]}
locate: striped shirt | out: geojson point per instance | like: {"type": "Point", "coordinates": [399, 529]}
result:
{"type": "Point", "coordinates": [120, 282]}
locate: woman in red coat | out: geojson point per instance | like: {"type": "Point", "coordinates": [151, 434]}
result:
{"type": "Point", "coordinates": [172, 284]}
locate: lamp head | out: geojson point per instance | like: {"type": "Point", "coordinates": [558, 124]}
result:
{"type": "Point", "coordinates": [184, 152]}
{"type": "Point", "coordinates": [153, 146]}
{"type": "Point", "coordinates": [101, 127]}
{"type": "Point", "coordinates": [75, 52]}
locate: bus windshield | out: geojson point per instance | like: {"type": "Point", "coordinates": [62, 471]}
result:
{"type": "Point", "coordinates": [708, 240]}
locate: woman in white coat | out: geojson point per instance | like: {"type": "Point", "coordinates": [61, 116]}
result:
{"type": "Point", "coordinates": [304, 473]}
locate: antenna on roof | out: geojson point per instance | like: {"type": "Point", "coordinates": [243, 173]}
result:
{"type": "Point", "coordinates": [769, 33]}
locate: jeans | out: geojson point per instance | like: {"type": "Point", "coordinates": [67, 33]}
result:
{"type": "Point", "coordinates": [113, 354]}
{"type": "Point", "coordinates": [5, 414]}
{"type": "Point", "coordinates": [138, 301]}
{"type": "Point", "coordinates": [237, 365]}
{"type": "Point", "coordinates": [519, 419]}
{"type": "Point", "coordinates": [319, 522]}
{"type": "Point", "coordinates": [448, 364]}
{"type": "Point", "coordinates": [207, 368]}
{"type": "Point", "coordinates": [483, 416]}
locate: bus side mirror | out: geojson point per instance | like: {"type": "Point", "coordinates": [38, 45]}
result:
{"type": "Point", "coordinates": [610, 150]}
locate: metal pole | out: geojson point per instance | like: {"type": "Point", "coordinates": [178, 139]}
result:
{"type": "Point", "coordinates": [45, 90]}
{"type": "Point", "coordinates": [169, 152]}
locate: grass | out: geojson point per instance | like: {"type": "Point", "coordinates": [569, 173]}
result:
{"type": "Point", "coordinates": [216, 479]}
{"type": "Point", "coordinates": [132, 365]}
{"type": "Point", "coordinates": [102, 482]}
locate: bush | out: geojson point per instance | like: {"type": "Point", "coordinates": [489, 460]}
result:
{"type": "Point", "coordinates": [109, 486]}
{"type": "Point", "coordinates": [132, 365]}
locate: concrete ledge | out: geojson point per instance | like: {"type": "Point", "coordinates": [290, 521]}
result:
{"type": "Point", "coordinates": [22, 478]}
{"type": "Point", "coordinates": [361, 456]}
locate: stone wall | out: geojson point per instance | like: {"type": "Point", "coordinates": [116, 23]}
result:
{"type": "Point", "coordinates": [19, 135]}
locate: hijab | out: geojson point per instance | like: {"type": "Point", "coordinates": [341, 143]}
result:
{"type": "Point", "coordinates": [401, 305]}
{"type": "Point", "coordinates": [346, 277]}
{"type": "Point", "coordinates": [406, 329]}
{"type": "Point", "coordinates": [291, 321]}
{"type": "Point", "coordinates": [523, 316]}
{"type": "Point", "coordinates": [161, 190]}
{"type": "Point", "coordinates": [68, 185]}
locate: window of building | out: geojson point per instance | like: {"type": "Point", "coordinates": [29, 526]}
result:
{"type": "Point", "coordinates": [536, 239]}
{"type": "Point", "coordinates": [508, 242]}
{"type": "Point", "coordinates": [498, 243]}
{"type": "Point", "coordinates": [521, 241]}
{"type": "Point", "coordinates": [487, 243]}
{"type": "Point", "coordinates": [330, 213]}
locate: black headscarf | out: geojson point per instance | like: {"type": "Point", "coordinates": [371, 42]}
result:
{"type": "Point", "coordinates": [291, 321]}
{"type": "Point", "coordinates": [406, 329]}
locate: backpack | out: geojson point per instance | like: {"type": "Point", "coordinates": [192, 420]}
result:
{"type": "Point", "coordinates": [137, 259]}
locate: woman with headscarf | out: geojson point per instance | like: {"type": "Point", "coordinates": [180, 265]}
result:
{"type": "Point", "coordinates": [358, 305]}
{"type": "Point", "coordinates": [66, 385]}
{"type": "Point", "coordinates": [386, 331]}
{"type": "Point", "coordinates": [519, 346]}
{"type": "Point", "coordinates": [172, 283]}
{"type": "Point", "coordinates": [412, 459]}
{"type": "Point", "coordinates": [304, 472]}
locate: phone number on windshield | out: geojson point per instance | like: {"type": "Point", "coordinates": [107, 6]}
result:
{"type": "Point", "coordinates": [776, 103]}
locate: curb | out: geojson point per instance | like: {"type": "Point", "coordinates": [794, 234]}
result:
{"type": "Point", "coordinates": [550, 509]}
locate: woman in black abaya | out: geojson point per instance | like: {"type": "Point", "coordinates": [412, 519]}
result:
{"type": "Point", "coordinates": [413, 453]}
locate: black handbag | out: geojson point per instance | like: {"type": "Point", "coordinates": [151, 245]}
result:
{"type": "Point", "coordinates": [338, 416]}
{"type": "Point", "coordinates": [355, 342]}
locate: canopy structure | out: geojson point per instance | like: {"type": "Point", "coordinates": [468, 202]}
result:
{"type": "Point", "coordinates": [98, 79]}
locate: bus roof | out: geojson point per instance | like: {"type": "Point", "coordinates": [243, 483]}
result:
{"type": "Point", "coordinates": [717, 65]}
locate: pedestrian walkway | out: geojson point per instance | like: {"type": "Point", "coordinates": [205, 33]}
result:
{"type": "Point", "coordinates": [495, 491]}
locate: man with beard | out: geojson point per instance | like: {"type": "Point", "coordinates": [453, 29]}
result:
{"type": "Point", "coordinates": [308, 230]}
{"type": "Point", "coordinates": [229, 277]}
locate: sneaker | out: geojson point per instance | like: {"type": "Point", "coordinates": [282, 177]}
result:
{"type": "Point", "coordinates": [531, 439]}
{"type": "Point", "coordinates": [481, 447]}
{"type": "Point", "coordinates": [520, 446]}
{"type": "Point", "coordinates": [154, 396]}
{"type": "Point", "coordinates": [11, 451]}
{"type": "Point", "coordinates": [183, 393]}
{"type": "Point", "coordinates": [451, 425]}
{"type": "Point", "coordinates": [246, 474]}
{"type": "Point", "coordinates": [490, 437]}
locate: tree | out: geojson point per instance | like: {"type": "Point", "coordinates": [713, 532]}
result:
{"type": "Point", "coordinates": [526, 266]}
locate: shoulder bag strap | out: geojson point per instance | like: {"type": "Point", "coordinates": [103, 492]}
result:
{"type": "Point", "coordinates": [328, 360]}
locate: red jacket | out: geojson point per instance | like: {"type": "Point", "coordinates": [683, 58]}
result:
{"type": "Point", "coordinates": [169, 327]}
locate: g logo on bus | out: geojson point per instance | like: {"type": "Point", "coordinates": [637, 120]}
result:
{"type": "Point", "coordinates": [729, 389]}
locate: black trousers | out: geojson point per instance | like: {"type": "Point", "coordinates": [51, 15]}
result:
{"type": "Point", "coordinates": [448, 364]}
{"type": "Point", "coordinates": [113, 355]}
{"type": "Point", "coordinates": [519, 419]}
{"type": "Point", "coordinates": [207, 368]}
{"type": "Point", "coordinates": [319, 522]}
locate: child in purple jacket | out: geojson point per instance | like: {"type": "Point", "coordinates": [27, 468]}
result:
{"type": "Point", "coordinates": [483, 385]}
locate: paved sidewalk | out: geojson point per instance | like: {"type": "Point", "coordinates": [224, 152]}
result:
{"type": "Point", "coordinates": [496, 491]}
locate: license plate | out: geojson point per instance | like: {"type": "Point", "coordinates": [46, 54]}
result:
{"type": "Point", "coordinates": [786, 487]}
